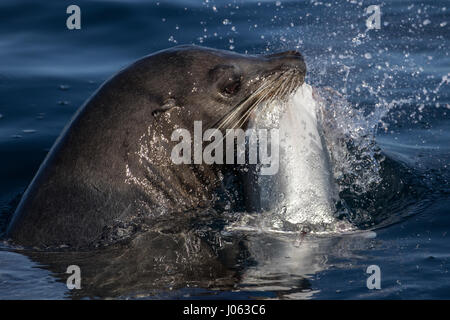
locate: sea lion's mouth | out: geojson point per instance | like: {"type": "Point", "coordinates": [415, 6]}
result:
{"type": "Point", "coordinates": [275, 85]}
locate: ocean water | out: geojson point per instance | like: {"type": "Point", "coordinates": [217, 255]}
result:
{"type": "Point", "coordinates": [389, 112]}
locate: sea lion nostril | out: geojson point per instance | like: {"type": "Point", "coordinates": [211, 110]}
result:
{"type": "Point", "coordinates": [294, 53]}
{"type": "Point", "coordinates": [289, 53]}
{"type": "Point", "coordinates": [287, 60]}
{"type": "Point", "coordinates": [292, 63]}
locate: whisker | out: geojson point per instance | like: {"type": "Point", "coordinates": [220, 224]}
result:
{"type": "Point", "coordinates": [274, 87]}
{"type": "Point", "coordinates": [271, 89]}
{"type": "Point", "coordinates": [241, 106]}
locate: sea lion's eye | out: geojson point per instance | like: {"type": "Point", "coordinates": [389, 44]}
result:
{"type": "Point", "coordinates": [226, 78]}
{"type": "Point", "coordinates": [232, 88]}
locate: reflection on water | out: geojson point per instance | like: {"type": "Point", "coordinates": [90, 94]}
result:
{"type": "Point", "coordinates": [158, 264]}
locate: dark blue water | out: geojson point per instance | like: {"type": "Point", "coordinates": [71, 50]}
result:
{"type": "Point", "coordinates": [397, 75]}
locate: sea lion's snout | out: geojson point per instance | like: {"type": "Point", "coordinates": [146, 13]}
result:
{"type": "Point", "coordinates": [287, 60]}
{"type": "Point", "coordinates": [286, 53]}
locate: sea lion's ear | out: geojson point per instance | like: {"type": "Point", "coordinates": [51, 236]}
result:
{"type": "Point", "coordinates": [168, 104]}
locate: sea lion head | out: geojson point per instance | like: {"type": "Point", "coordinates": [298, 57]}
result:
{"type": "Point", "coordinates": [218, 87]}
{"type": "Point", "coordinates": [113, 164]}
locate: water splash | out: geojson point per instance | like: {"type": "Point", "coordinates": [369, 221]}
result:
{"type": "Point", "coordinates": [327, 148]}
{"type": "Point", "coordinates": [303, 193]}
{"type": "Point", "coordinates": [350, 140]}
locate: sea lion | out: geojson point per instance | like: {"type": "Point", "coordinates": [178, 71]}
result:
{"type": "Point", "coordinates": [111, 167]}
